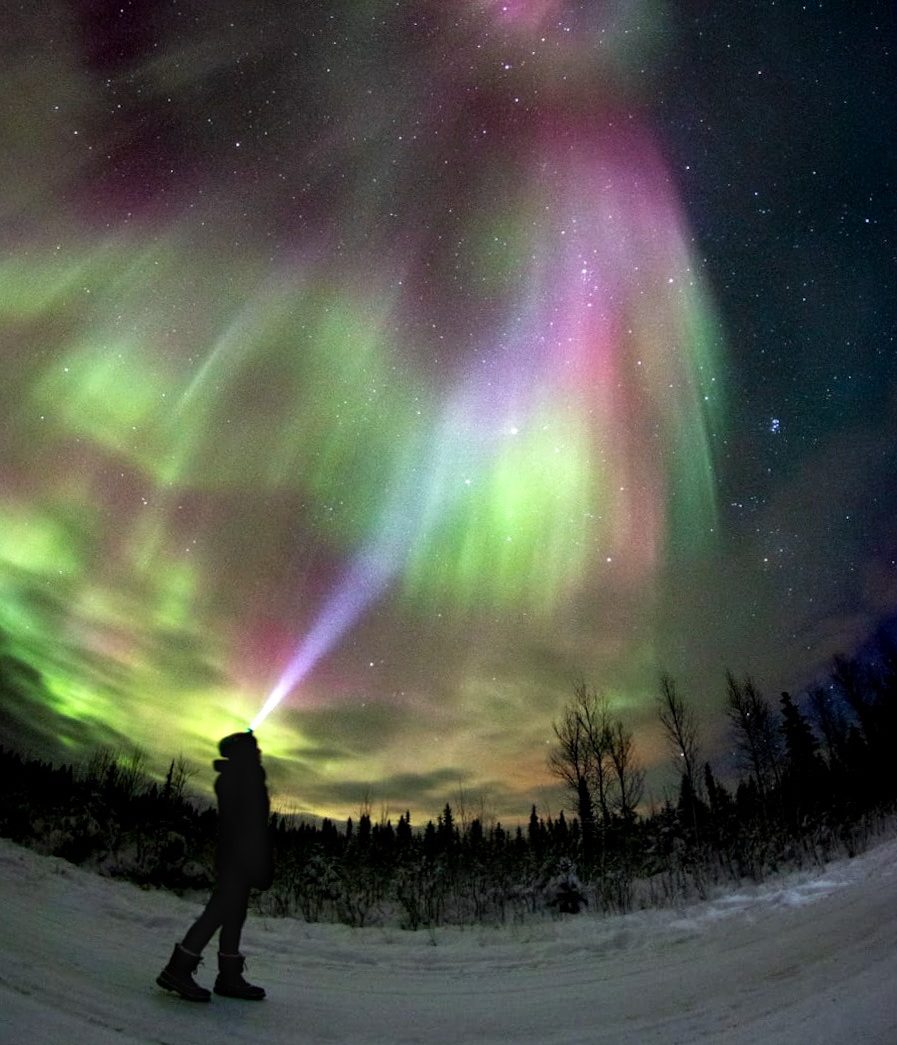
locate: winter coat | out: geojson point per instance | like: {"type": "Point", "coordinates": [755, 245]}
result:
{"type": "Point", "coordinates": [244, 839]}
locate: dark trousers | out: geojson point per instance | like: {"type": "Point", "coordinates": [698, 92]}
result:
{"type": "Point", "coordinates": [226, 908]}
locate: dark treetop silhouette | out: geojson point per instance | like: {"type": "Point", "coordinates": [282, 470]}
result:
{"type": "Point", "coordinates": [244, 861]}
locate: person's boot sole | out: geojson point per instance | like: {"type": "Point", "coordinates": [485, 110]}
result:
{"type": "Point", "coordinates": [225, 993]}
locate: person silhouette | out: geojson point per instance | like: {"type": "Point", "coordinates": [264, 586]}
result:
{"type": "Point", "coordinates": [244, 861]}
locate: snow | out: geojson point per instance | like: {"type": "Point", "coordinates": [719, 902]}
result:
{"type": "Point", "coordinates": [806, 959]}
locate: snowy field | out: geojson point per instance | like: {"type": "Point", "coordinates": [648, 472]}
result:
{"type": "Point", "coordinates": [810, 959]}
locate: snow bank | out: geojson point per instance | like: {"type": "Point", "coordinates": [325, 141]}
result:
{"type": "Point", "coordinates": [807, 959]}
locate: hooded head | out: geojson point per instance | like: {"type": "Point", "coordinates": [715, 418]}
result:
{"type": "Point", "coordinates": [239, 746]}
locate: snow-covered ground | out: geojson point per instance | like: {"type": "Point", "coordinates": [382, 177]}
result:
{"type": "Point", "coordinates": [810, 959]}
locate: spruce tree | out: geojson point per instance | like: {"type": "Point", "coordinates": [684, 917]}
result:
{"type": "Point", "coordinates": [805, 775]}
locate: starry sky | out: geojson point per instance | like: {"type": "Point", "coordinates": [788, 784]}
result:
{"type": "Point", "coordinates": [403, 362]}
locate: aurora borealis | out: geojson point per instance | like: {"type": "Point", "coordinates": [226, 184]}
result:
{"type": "Point", "coordinates": [412, 359]}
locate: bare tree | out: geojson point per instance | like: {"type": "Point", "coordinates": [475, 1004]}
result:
{"type": "Point", "coordinates": [680, 726]}
{"type": "Point", "coordinates": [132, 772]}
{"type": "Point", "coordinates": [571, 762]}
{"type": "Point", "coordinates": [114, 770]}
{"type": "Point", "coordinates": [179, 774]}
{"type": "Point", "coordinates": [596, 759]}
{"type": "Point", "coordinates": [595, 718]}
{"type": "Point", "coordinates": [757, 736]}
{"type": "Point", "coordinates": [463, 814]}
{"type": "Point", "coordinates": [629, 774]}
{"type": "Point", "coordinates": [101, 768]}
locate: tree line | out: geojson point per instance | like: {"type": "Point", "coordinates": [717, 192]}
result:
{"type": "Point", "coordinates": [811, 775]}
{"type": "Point", "coordinates": [812, 782]}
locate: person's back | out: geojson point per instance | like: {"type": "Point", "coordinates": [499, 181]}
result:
{"type": "Point", "coordinates": [244, 844]}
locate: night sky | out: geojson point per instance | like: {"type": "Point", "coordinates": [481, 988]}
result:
{"type": "Point", "coordinates": [413, 360]}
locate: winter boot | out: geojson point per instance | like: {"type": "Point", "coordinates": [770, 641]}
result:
{"type": "Point", "coordinates": [230, 982]}
{"type": "Point", "coordinates": [177, 975]}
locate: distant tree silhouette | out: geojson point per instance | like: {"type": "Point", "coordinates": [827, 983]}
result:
{"type": "Point", "coordinates": [628, 773]}
{"type": "Point", "coordinates": [594, 715]}
{"type": "Point", "coordinates": [571, 762]}
{"type": "Point", "coordinates": [680, 725]}
{"type": "Point", "coordinates": [869, 687]}
{"type": "Point", "coordinates": [176, 779]}
{"type": "Point", "coordinates": [757, 737]}
{"type": "Point", "coordinates": [446, 837]}
{"type": "Point", "coordinates": [595, 757]}
{"type": "Point", "coordinates": [805, 776]}
{"type": "Point", "coordinates": [403, 831]}
{"type": "Point", "coordinates": [852, 678]}
{"type": "Point", "coordinates": [833, 725]}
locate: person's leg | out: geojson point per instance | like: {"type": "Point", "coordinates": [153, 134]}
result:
{"type": "Point", "coordinates": [177, 976]}
{"type": "Point", "coordinates": [234, 903]}
{"type": "Point", "coordinates": [202, 930]}
{"type": "Point", "coordinates": [230, 980]}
